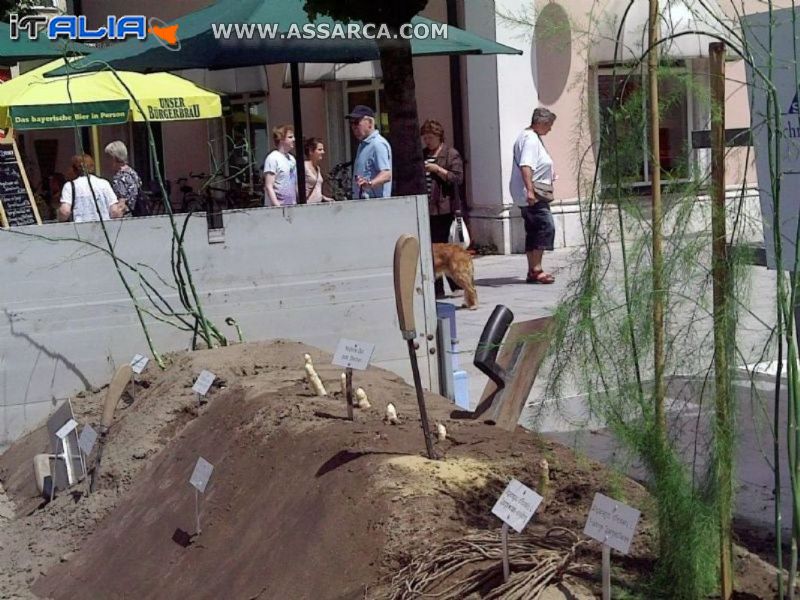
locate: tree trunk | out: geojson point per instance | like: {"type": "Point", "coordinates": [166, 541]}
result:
{"type": "Point", "coordinates": [408, 175]}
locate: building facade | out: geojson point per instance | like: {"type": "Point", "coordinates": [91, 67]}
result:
{"type": "Point", "coordinates": [568, 64]}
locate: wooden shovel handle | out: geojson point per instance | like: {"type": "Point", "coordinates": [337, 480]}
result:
{"type": "Point", "coordinates": [406, 257]}
{"type": "Point", "coordinates": [114, 392]}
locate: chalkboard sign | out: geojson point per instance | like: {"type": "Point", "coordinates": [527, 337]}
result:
{"type": "Point", "coordinates": [16, 200]}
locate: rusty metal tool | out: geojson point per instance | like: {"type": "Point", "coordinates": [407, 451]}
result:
{"type": "Point", "coordinates": [406, 257]}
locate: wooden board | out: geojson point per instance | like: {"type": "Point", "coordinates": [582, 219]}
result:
{"type": "Point", "coordinates": [521, 355]}
{"type": "Point", "coordinates": [17, 206]}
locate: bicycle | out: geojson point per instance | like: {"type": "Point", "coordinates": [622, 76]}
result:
{"type": "Point", "coordinates": [341, 181]}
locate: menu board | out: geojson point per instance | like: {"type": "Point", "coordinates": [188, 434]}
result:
{"type": "Point", "coordinates": [16, 200]}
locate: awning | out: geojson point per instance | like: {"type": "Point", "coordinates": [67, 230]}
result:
{"type": "Point", "coordinates": [229, 81]}
{"type": "Point", "coordinates": [316, 74]}
{"type": "Point", "coordinates": [32, 102]}
{"type": "Point", "coordinates": [677, 17]}
{"type": "Point", "coordinates": [14, 51]}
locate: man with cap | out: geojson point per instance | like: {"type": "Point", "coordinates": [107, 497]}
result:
{"type": "Point", "coordinates": [372, 168]}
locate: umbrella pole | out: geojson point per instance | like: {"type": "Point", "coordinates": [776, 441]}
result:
{"type": "Point", "coordinates": [96, 148]}
{"type": "Point", "coordinates": [298, 133]}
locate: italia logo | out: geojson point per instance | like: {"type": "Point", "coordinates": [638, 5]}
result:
{"type": "Point", "coordinates": [77, 28]}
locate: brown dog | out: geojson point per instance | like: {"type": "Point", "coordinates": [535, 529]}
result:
{"type": "Point", "coordinates": [456, 263]}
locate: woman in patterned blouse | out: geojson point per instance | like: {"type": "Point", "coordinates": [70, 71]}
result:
{"type": "Point", "coordinates": [126, 182]}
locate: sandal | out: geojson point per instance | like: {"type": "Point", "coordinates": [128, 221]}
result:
{"type": "Point", "coordinates": [539, 277]}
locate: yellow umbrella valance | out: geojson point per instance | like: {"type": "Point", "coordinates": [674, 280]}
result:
{"type": "Point", "coordinates": [33, 102]}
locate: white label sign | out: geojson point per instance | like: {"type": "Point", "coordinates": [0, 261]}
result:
{"type": "Point", "coordinates": [611, 523]}
{"type": "Point", "coordinates": [201, 474]}
{"type": "Point", "coordinates": [517, 505]}
{"type": "Point", "coordinates": [352, 354]}
{"type": "Point", "coordinates": [138, 363]}
{"type": "Point", "coordinates": [87, 439]}
{"type": "Point", "coordinates": [66, 429]}
{"type": "Point", "coordinates": [204, 381]}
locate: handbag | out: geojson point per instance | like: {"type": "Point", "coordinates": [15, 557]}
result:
{"type": "Point", "coordinates": [459, 235]}
{"type": "Point", "coordinates": [543, 192]}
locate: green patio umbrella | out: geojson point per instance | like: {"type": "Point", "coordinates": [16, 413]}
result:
{"type": "Point", "coordinates": [201, 45]}
{"type": "Point", "coordinates": [25, 48]}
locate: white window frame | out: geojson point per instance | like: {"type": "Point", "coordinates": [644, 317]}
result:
{"type": "Point", "coordinates": [686, 69]}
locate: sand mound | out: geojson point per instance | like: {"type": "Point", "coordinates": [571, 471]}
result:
{"type": "Point", "coordinates": [302, 502]}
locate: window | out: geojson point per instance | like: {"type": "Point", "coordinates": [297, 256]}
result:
{"type": "Point", "coordinates": [368, 93]}
{"type": "Point", "coordinates": [624, 132]}
{"type": "Point", "coordinates": [247, 140]}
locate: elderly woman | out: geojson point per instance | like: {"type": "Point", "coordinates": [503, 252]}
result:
{"type": "Point", "coordinates": [444, 173]}
{"type": "Point", "coordinates": [531, 188]}
{"type": "Point", "coordinates": [314, 151]}
{"type": "Point", "coordinates": [126, 182]}
{"type": "Point", "coordinates": [86, 197]}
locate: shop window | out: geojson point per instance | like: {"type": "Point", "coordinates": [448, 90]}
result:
{"type": "Point", "coordinates": [624, 132]}
{"type": "Point", "coordinates": [247, 141]}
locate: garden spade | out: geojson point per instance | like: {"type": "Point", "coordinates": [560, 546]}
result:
{"type": "Point", "coordinates": [406, 257]}
{"type": "Point", "coordinates": [113, 394]}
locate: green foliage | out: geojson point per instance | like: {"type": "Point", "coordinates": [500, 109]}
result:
{"type": "Point", "coordinates": [23, 7]}
{"type": "Point", "coordinates": [605, 331]}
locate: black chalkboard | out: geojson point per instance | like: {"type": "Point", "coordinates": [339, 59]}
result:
{"type": "Point", "coordinates": [15, 199]}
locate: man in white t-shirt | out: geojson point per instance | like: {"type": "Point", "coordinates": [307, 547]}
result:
{"type": "Point", "coordinates": [280, 169]}
{"type": "Point", "coordinates": [85, 193]}
{"type": "Point", "coordinates": [532, 163]}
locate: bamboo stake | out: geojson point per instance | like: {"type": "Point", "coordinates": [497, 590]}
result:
{"type": "Point", "coordinates": [659, 391]}
{"type": "Point", "coordinates": [721, 279]}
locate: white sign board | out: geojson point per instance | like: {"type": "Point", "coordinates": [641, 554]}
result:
{"type": "Point", "coordinates": [201, 474]}
{"type": "Point", "coordinates": [87, 439]}
{"type": "Point", "coordinates": [352, 354]}
{"type": "Point", "coordinates": [204, 381]}
{"type": "Point", "coordinates": [517, 505]}
{"type": "Point", "coordinates": [757, 31]}
{"type": "Point", "coordinates": [66, 429]}
{"type": "Point", "coordinates": [138, 363]}
{"type": "Point", "coordinates": [611, 523]}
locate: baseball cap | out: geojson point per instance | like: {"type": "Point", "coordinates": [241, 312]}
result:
{"type": "Point", "coordinates": [360, 112]}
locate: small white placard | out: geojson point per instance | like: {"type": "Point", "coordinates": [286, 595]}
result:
{"type": "Point", "coordinates": [611, 523]}
{"type": "Point", "coordinates": [138, 363]}
{"type": "Point", "coordinates": [517, 505]}
{"type": "Point", "coordinates": [353, 354]}
{"type": "Point", "coordinates": [204, 381]}
{"type": "Point", "coordinates": [86, 439]}
{"type": "Point", "coordinates": [66, 429]}
{"type": "Point", "coordinates": [201, 474]}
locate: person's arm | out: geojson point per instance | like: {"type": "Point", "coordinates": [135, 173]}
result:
{"type": "Point", "coordinates": [453, 170]}
{"type": "Point", "coordinates": [527, 180]}
{"type": "Point", "coordinates": [117, 209]}
{"type": "Point", "coordinates": [529, 156]}
{"type": "Point", "coordinates": [269, 189]}
{"type": "Point", "coordinates": [65, 208]}
{"type": "Point", "coordinates": [381, 178]}
{"type": "Point", "coordinates": [383, 160]}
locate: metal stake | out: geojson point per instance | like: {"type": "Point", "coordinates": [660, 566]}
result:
{"type": "Point", "coordinates": [349, 389]}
